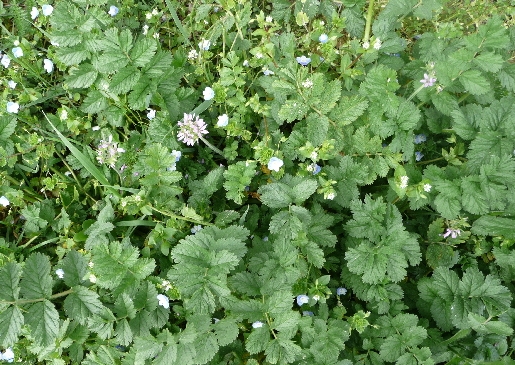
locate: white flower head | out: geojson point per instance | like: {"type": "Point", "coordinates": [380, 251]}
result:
{"type": "Point", "coordinates": [259, 55]}
{"type": "Point", "coordinates": [145, 29]}
{"type": "Point", "coordinates": [148, 15]}
{"type": "Point", "coordinates": [377, 44]}
{"type": "Point", "coordinates": [366, 45]}
{"type": "Point", "coordinates": [269, 19]}
{"type": "Point", "coordinates": [64, 114]}
{"type": "Point", "coordinates": [316, 297]}
{"type": "Point", "coordinates": [113, 10]}
{"type": "Point", "coordinates": [307, 84]}
{"type": "Point", "coordinates": [177, 155]}
{"type": "Point", "coordinates": [204, 44]}
{"type": "Point", "coordinates": [268, 72]}
{"type": "Point", "coordinates": [427, 188]}
{"type": "Point", "coordinates": [151, 114]}
{"type": "Point", "coordinates": [275, 164]}
{"type": "Point", "coordinates": [331, 196]}
{"type": "Point", "coordinates": [59, 273]}
{"type": "Point", "coordinates": [257, 324]}
{"type": "Point", "coordinates": [17, 52]}
{"type": "Point", "coordinates": [47, 9]}
{"type": "Point", "coordinates": [404, 182]}
{"type": "Point", "coordinates": [12, 107]}
{"type": "Point", "coordinates": [208, 93]}
{"type": "Point", "coordinates": [34, 13]}
{"type": "Point", "coordinates": [8, 355]}
{"type": "Point", "coordinates": [323, 38]}
{"type": "Point", "coordinates": [92, 278]}
{"type": "Point", "coordinates": [11, 84]}
{"type": "Point", "coordinates": [4, 201]}
{"type": "Point", "coordinates": [155, 12]}
{"type": "Point", "coordinates": [196, 229]}
{"type": "Point", "coordinates": [192, 54]}
{"type": "Point", "coordinates": [246, 63]}
{"type": "Point", "coordinates": [155, 35]}
{"type": "Point", "coordinates": [223, 120]}
{"type": "Point", "coordinates": [48, 65]}
{"type": "Point", "coordinates": [5, 61]}
{"type": "Point", "coordinates": [163, 301]}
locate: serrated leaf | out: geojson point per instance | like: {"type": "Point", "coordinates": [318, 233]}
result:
{"type": "Point", "coordinates": [348, 110]}
{"type": "Point", "coordinates": [292, 110]}
{"type": "Point", "coordinates": [237, 177]}
{"type": "Point", "coordinates": [282, 350]}
{"type": "Point", "coordinates": [124, 80]}
{"type": "Point", "coordinates": [94, 102]}
{"type": "Point", "coordinates": [75, 267]}
{"type": "Point", "coordinates": [82, 303]}
{"type": "Point", "coordinates": [318, 126]}
{"type": "Point", "coordinates": [36, 282]}
{"type": "Point", "coordinates": [168, 355]}
{"type": "Point", "coordinates": [123, 332]}
{"type": "Point", "coordinates": [11, 321]}
{"type": "Point", "coordinates": [445, 102]}
{"type": "Point", "coordinates": [275, 195]}
{"type": "Point", "coordinates": [474, 82]}
{"type": "Point", "coordinates": [142, 52]}
{"type": "Point", "coordinates": [489, 61]}
{"type": "Point", "coordinates": [139, 98]}
{"type": "Point", "coordinates": [494, 226]}
{"type": "Point", "coordinates": [82, 77]}
{"type": "Point", "coordinates": [10, 275]}
{"type": "Point", "coordinates": [7, 126]}
{"type": "Point", "coordinates": [43, 319]}
{"type": "Point", "coordinates": [72, 55]}
{"type": "Point", "coordinates": [257, 340]}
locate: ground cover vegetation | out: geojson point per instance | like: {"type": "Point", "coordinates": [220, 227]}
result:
{"type": "Point", "coordinates": [257, 182]}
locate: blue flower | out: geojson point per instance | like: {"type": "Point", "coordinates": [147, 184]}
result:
{"type": "Point", "coordinates": [17, 52]}
{"type": "Point", "coordinates": [47, 9]}
{"type": "Point", "coordinates": [420, 138]}
{"type": "Point", "coordinates": [304, 61]}
{"type": "Point", "coordinates": [302, 299]}
{"type": "Point", "coordinates": [323, 38]}
{"type": "Point", "coordinates": [113, 10]}
{"type": "Point", "coordinates": [341, 291]}
{"type": "Point", "coordinates": [418, 155]}
{"type": "Point", "coordinates": [275, 164]}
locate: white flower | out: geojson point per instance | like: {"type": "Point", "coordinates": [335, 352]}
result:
{"type": "Point", "coordinates": [4, 201]}
{"type": "Point", "coordinates": [54, 43]}
{"type": "Point", "coordinates": [8, 355]}
{"type": "Point", "coordinates": [330, 196]}
{"type": "Point", "coordinates": [155, 12]}
{"type": "Point", "coordinates": [148, 15]}
{"type": "Point", "coordinates": [47, 9]}
{"type": "Point", "coordinates": [192, 54]}
{"type": "Point", "coordinates": [316, 297]}
{"type": "Point", "coordinates": [313, 155]}
{"type": "Point", "coordinates": [163, 301]}
{"type": "Point", "coordinates": [268, 72]}
{"type": "Point", "coordinates": [196, 229]}
{"type": "Point", "coordinates": [48, 65]}
{"type": "Point", "coordinates": [177, 155]}
{"type": "Point", "coordinates": [245, 63]}
{"type": "Point", "coordinates": [259, 55]}
{"type": "Point", "coordinates": [366, 45]}
{"type": "Point", "coordinates": [5, 60]}
{"type": "Point", "coordinates": [64, 115]}
{"type": "Point", "coordinates": [204, 44]}
{"type": "Point", "coordinates": [223, 120]}
{"type": "Point", "coordinates": [257, 324]}
{"type": "Point", "coordinates": [16, 43]}
{"type": "Point", "coordinates": [113, 10]}
{"type": "Point", "coordinates": [208, 93]}
{"type": "Point", "coordinates": [34, 13]}
{"type": "Point", "coordinates": [95, 128]}
{"type": "Point", "coordinates": [307, 84]}
{"type": "Point", "coordinates": [11, 84]}
{"type": "Point", "coordinates": [12, 107]}
{"type": "Point", "coordinates": [166, 285]}
{"type": "Point", "coordinates": [145, 29]}
{"type": "Point", "coordinates": [275, 164]}
{"type": "Point", "coordinates": [17, 52]}
{"type": "Point", "coordinates": [269, 19]}
{"type": "Point", "coordinates": [151, 114]}
{"type": "Point", "coordinates": [377, 44]}
{"type": "Point", "coordinates": [323, 38]}
{"type": "Point", "coordinates": [404, 182]}
{"type": "Point", "coordinates": [155, 35]}
{"type": "Point", "coordinates": [59, 273]}
{"type": "Point", "coordinates": [91, 264]}
{"type": "Point", "coordinates": [92, 278]}
{"type": "Point", "coordinates": [427, 188]}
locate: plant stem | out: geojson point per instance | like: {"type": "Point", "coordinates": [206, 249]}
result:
{"type": "Point", "coordinates": [211, 146]}
{"type": "Point", "coordinates": [368, 25]}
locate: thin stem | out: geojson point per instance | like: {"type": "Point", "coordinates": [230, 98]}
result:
{"type": "Point", "coordinates": [171, 215]}
{"type": "Point", "coordinates": [211, 146]}
{"type": "Point", "coordinates": [368, 25]}
{"type": "Point", "coordinates": [26, 301]}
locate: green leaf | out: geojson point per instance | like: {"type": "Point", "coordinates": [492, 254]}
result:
{"type": "Point", "coordinates": [258, 340]}
{"type": "Point", "coordinates": [139, 98]}
{"type": "Point", "coordinates": [43, 319]}
{"type": "Point", "coordinates": [237, 177]}
{"type": "Point", "coordinates": [36, 282]}
{"type": "Point", "coordinates": [81, 304]}
{"type": "Point", "coordinates": [348, 110]}
{"type": "Point", "coordinates": [10, 275]}
{"type": "Point", "coordinates": [123, 332]}
{"type": "Point", "coordinates": [94, 102]}
{"type": "Point", "coordinates": [474, 82]}
{"type": "Point", "coordinates": [124, 80]}
{"type": "Point", "coordinates": [473, 199]}
{"type": "Point", "coordinates": [72, 55]}
{"type": "Point", "coordinates": [318, 126]}
{"type": "Point", "coordinates": [276, 195]}
{"type": "Point", "coordinates": [143, 51]}
{"type": "Point", "coordinates": [75, 267]}
{"type": "Point", "coordinates": [445, 102]}
{"type": "Point", "coordinates": [282, 350]}
{"type": "Point", "coordinates": [7, 126]}
{"type": "Point", "coordinates": [489, 61]}
{"type": "Point", "coordinates": [292, 110]}
{"type": "Point", "coordinates": [82, 77]}
{"type": "Point", "coordinates": [11, 321]}
{"type": "Point", "coordinates": [494, 226]}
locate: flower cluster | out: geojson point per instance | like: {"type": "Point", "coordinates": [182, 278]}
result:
{"type": "Point", "coordinates": [454, 233]}
{"type": "Point", "coordinates": [191, 129]}
{"type": "Point", "coordinates": [404, 182]}
{"type": "Point", "coordinates": [108, 152]}
{"type": "Point", "coordinates": [7, 355]}
{"type": "Point", "coordinates": [59, 273]}
{"type": "Point", "coordinates": [45, 9]}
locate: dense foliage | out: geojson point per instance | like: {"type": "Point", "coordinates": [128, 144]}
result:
{"type": "Point", "coordinates": [252, 182]}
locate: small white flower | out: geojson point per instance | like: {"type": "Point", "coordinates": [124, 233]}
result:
{"type": "Point", "coordinates": [257, 324]}
{"type": "Point", "coordinates": [404, 182]}
{"type": "Point", "coordinates": [67, 173]}
{"type": "Point", "coordinates": [8, 355]}
{"type": "Point", "coordinates": [313, 155]}
{"type": "Point", "coordinates": [91, 264]}
{"type": "Point", "coordinates": [177, 155]}
{"type": "Point", "coordinates": [166, 285]}
{"type": "Point", "coordinates": [12, 107]}
{"type": "Point", "coordinates": [163, 301]}
{"type": "Point", "coordinates": [330, 196]}
{"type": "Point", "coordinates": [17, 52]}
{"type": "Point", "coordinates": [196, 229]}
{"type": "Point", "coordinates": [47, 9]}
{"type": "Point", "coordinates": [366, 45]}
{"type": "Point", "coordinates": [151, 114]}
{"type": "Point", "coordinates": [245, 63]}
{"type": "Point", "coordinates": [113, 10]}
{"type": "Point", "coordinates": [377, 44]}
{"type": "Point", "coordinates": [259, 55]}
{"type": "Point", "coordinates": [268, 72]}
{"type": "Point", "coordinates": [223, 120]}
{"type": "Point", "coordinates": [59, 273]}
{"type": "Point", "coordinates": [275, 164]}
{"type": "Point", "coordinates": [64, 114]}
{"type": "Point", "coordinates": [156, 35]}
{"type": "Point", "coordinates": [34, 13]}
{"type": "Point", "coordinates": [427, 188]}
{"type": "Point", "coordinates": [155, 12]}
{"type": "Point", "coordinates": [316, 297]}
{"type": "Point", "coordinates": [5, 60]}
{"type": "Point", "coordinates": [16, 43]}
{"type": "Point", "coordinates": [148, 15]}
{"type": "Point", "coordinates": [95, 128]}
{"type": "Point", "coordinates": [323, 38]}
{"type": "Point", "coordinates": [192, 54]}
{"type": "Point", "coordinates": [208, 93]}
{"type": "Point", "coordinates": [204, 44]}
{"type": "Point", "coordinates": [48, 65]}
{"type": "Point", "coordinates": [269, 19]}
{"type": "Point", "coordinates": [92, 278]}
{"type": "Point", "coordinates": [54, 43]}
{"type": "Point", "coordinates": [4, 201]}
{"type": "Point", "coordinates": [307, 84]}
{"type": "Point", "coordinates": [11, 84]}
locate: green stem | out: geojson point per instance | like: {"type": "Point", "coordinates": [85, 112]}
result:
{"type": "Point", "coordinates": [368, 25]}
{"type": "Point", "coordinates": [211, 146]}
{"type": "Point", "coordinates": [415, 92]}
{"type": "Point", "coordinates": [26, 301]}
{"type": "Point", "coordinates": [171, 215]}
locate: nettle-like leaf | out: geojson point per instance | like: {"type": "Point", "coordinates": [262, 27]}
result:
{"type": "Point", "coordinates": [81, 304]}
{"type": "Point", "coordinates": [214, 252]}
{"type": "Point", "coordinates": [237, 177]}
{"type": "Point", "coordinates": [325, 339]}
{"type": "Point", "coordinates": [287, 191]}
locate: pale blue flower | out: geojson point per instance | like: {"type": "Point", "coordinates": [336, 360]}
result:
{"type": "Point", "coordinates": [208, 93]}
{"type": "Point", "coordinates": [59, 273]}
{"type": "Point", "coordinates": [302, 299]}
{"type": "Point", "coordinates": [420, 138]}
{"type": "Point", "coordinates": [418, 155]}
{"type": "Point", "coordinates": [12, 84]}
{"type": "Point", "coordinates": [5, 61]}
{"type": "Point", "coordinates": [8, 355]}
{"type": "Point", "coordinates": [34, 13]}
{"type": "Point", "coordinates": [113, 10]}
{"type": "Point", "coordinates": [303, 60]}
{"type": "Point", "coordinates": [275, 164]}
{"type": "Point", "coordinates": [223, 120]}
{"type": "Point", "coordinates": [48, 65]}
{"type": "Point", "coordinates": [17, 52]}
{"type": "Point", "coordinates": [257, 324]}
{"type": "Point", "coordinates": [177, 155]}
{"type": "Point", "coordinates": [204, 44]}
{"type": "Point", "coordinates": [268, 72]}
{"type": "Point", "coordinates": [323, 38]}
{"type": "Point", "coordinates": [4, 201]}
{"type": "Point", "coordinates": [12, 107]}
{"type": "Point", "coordinates": [151, 114]}
{"type": "Point", "coordinates": [341, 291]}
{"type": "Point", "coordinates": [47, 9]}
{"type": "Point", "coordinates": [163, 301]}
